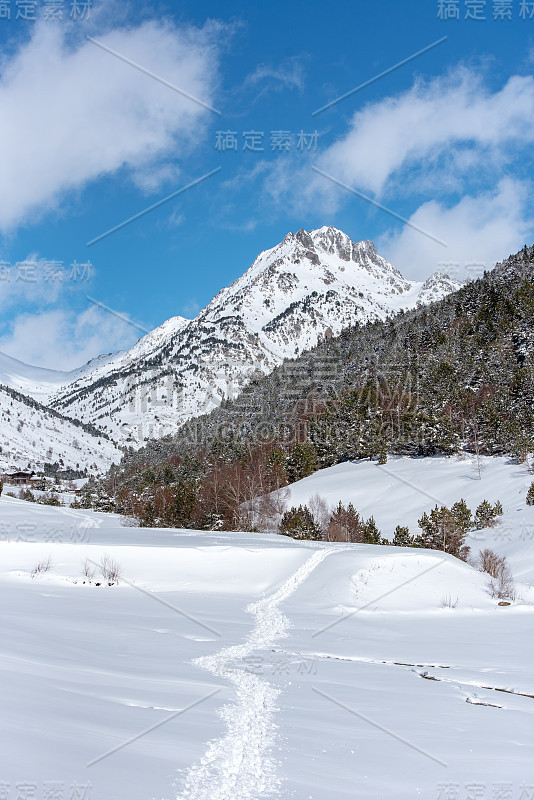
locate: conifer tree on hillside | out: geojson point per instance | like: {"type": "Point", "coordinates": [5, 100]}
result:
{"type": "Point", "coordinates": [302, 461]}
{"type": "Point", "coordinates": [446, 529]}
{"type": "Point", "coordinates": [300, 524]}
{"type": "Point", "coordinates": [371, 534]}
{"type": "Point", "coordinates": [486, 514]}
{"type": "Point", "coordinates": [402, 537]}
{"type": "Point", "coordinates": [345, 525]}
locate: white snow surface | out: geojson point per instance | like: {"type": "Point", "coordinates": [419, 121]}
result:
{"type": "Point", "coordinates": [236, 666]}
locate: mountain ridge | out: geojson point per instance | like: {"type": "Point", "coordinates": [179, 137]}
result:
{"type": "Point", "coordinates": [311, 285]}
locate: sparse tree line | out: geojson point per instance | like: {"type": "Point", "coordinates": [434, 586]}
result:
{"type": "Point", "coordinates": [46, 499]}
{"type": "Point", "coordinates": [442, 528]}
{"type": "Point", "coordinates": [251, 495]}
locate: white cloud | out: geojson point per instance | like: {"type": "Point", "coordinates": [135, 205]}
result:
{"type": "Point", "coordinates": [71, 114]}
{"type": "Point", "coordinates": [443, 129]}
{"type": "Point", "coordinates": [289, 74]}
{"type": "Point", "coordinates": [448, 135]}
{"type": "Point", "coordinates": [479, 230]}
{"type": "Point", "coordinates": [62, 339]}
{"type": "Point", "coordinates": [450, 139]}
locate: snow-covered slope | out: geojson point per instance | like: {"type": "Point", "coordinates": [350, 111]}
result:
{"type": "Point", "coordinates": [397, 493]}
{"type": "Point", "coordinates": [244, 666]}
{"type": "Point", "coordinates": [310, 285]}
{"type": "Point", "coordinates": [33, 434]}
{"type": "Point", "coordinates": [41, 383]}
{"type": "Point", "coordinates": [36, 382]}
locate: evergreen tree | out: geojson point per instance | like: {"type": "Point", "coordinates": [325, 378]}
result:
{"type": "Point", "coordinates": [180, 512]}
{"type": "Point", "coordinates": [371, 534]}
{"type": "Point", "coordinates": [486, 514]}
{"type": "Point", "coordinates": [300, 524]}
{"type": "Point", "coordinates": [302, 461]}
{"type": "Point", "coordinates": [402, 537]}
{"type": "Point", "coordinates": [382, 455]}
{"type": "Point", "coordinates": [446, 529]}
{"type": "Point", "coordinates": [148, 516]}
{"type": "Point", "coordinates": [530, 495]}
{"type": "Point", "coordinates": [345, 525]}
{"type": "Point", "coordinates": [462, 516]}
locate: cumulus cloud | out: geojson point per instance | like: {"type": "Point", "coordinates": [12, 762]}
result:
{"type": "Point", "coordinates": [443, 129]}
{"type": "Point", "coordinates": [450, 139]}
{"type": "Point", "coordinates": [73, 113]}
{"type": "Point", "coordinates": [436, 138]}
{"type": "Point", "coordinates": [479, 231]}
{"type": "Point", "coordinates": [63, 339]}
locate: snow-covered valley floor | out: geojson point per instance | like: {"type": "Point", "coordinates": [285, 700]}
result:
{"type": "Point", "coordinates": [241, 666]}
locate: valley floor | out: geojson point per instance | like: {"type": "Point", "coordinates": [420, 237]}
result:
{"type": "Point", "coordinates": [242, 666]}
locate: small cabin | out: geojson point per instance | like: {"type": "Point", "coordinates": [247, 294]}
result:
{"type": "Point", "coordinates": [19, 478]}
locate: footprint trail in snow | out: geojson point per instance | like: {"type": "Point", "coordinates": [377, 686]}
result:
{"type": "Point", "coordinates": [240, 765]}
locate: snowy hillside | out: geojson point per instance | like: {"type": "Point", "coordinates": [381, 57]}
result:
{"type": "Point", "coordinates": [247, 666]}
{"type": "Point", "coordinates": [398, 493]}
{"type": "Point", "coordinates": [33, 381]}
{"type": "Point", "coordinates": [310, 285]}
{"type": "Point", "coordinates": [33, 434]}
{"type": "Point", "coordinates": [40, 383]}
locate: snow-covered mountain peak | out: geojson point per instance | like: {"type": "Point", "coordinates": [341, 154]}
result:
{"type": "Point", "coordinates": [311, 284]}
{"type": "Point", "coordinates": [331, 240]}
{"type": "Point", "coordinates": [435, 287]}
{"type": "Point", "coordinates": [151, 341]}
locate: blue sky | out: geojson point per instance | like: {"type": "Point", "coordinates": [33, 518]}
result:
{"type": "Point", "coordinates": [87, 141]}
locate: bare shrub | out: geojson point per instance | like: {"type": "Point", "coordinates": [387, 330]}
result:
{"type": "Point", "coordinates": [337, 532]}
{"type": "Point", "coordinates": [264, 513]}
{"type": "Point", "coordinates": [43, 566]}
{"type": "Point", "coordinates": [110, 569]}
{"type": "Point", "coordinates": [503, 586]}
{"type": "Point", "coordinates": [502, 583]}
{"type": "Point", "coordinates": [448, 602]}
{"type": "Point", "coordinates": [88, 569]}
{"type": "Point", "coordinates": [320, 511]}
{"type": "Point", "coordinates": [488, 561]}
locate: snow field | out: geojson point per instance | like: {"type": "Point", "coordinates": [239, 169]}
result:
{"type": "Point", "coordinates": [233, 665]}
